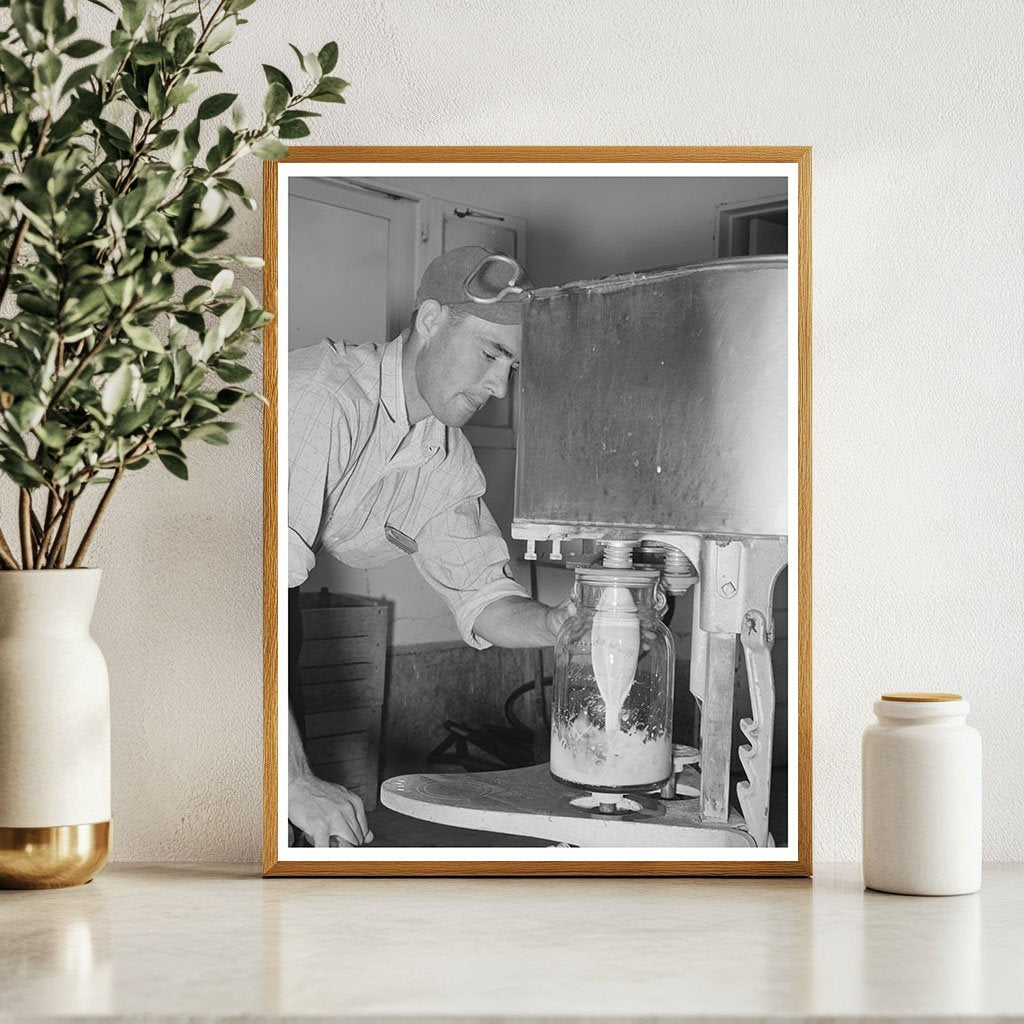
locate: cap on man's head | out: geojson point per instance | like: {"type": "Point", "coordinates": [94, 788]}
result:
{"type": "Point", "coordinates": [482, 282]}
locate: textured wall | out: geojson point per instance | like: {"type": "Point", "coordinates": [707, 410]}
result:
{"type": "Point", "coordinates": [913, 110]}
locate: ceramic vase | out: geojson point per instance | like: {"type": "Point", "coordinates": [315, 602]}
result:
{"type": "Point", "coordinates": [921, 777]}
{"type": "Point", "coordinates": [54, 731]}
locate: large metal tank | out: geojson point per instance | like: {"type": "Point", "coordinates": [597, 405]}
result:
{"type": "Point", "coordinates": [656, 401]}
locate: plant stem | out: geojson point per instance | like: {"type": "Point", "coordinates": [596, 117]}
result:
{"type": "Point", "coordinates": [6, 555]}
{"type": "Point", "coordinates": [19, 237]}
{"type": "Point", "coordinates": [19, 234]}
{"type": "Point", "coordinates": [87, 357]}
{"type": "Point", "coordinates": [25, 521]}
{"type": "Point", "coordinates": [37, 530]}
{"type": "Point", "coordinates": [60, 544]}
{"type": "Point", "coordinates": [97, 516]}
{"type": "Point", "coordinates": [51, 525]}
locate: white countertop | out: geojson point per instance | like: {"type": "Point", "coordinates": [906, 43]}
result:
{"type": "Point", "coordinates": [178, 941]}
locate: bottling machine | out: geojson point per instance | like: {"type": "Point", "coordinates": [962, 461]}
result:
{"type": "Point", "coordinates": [652, 420]}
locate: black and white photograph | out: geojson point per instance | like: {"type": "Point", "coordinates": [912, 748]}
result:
{"type": "Point", "coordinates": [537, 514]}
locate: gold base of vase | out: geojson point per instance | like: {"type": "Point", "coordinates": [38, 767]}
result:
{"type": "Point", "coordinates": [51, 858]}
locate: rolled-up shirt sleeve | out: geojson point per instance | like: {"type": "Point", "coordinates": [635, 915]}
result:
{"type": "Point", "coordinates": [319, 448]}
{"type": "Point", "coordinates": [464, 557]}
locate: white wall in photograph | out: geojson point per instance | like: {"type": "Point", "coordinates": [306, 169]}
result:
{"type": "Point", "coordinates": [913, 112]}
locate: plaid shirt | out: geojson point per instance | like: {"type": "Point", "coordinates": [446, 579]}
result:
{"type": "Point", "coordinates": [354, 465]}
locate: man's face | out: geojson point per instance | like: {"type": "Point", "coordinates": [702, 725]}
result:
{"type": "Point", "coordinates": [466, 364]}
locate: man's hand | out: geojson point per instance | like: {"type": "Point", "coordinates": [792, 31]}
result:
{"type": "Point", "coordinates": [328, 813]}
{"type": "Point", "coordinates": [520, 622]}
{"type": "Point", "coordinates": [557, 616]}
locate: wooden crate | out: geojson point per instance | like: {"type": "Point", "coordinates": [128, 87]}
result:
{"type": "Point", "coordinates": [343, 647]}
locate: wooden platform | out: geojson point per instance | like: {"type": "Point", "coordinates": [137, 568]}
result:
{"type": "Point", "coordinates": [529, 802]}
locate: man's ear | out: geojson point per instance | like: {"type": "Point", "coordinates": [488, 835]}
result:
{"type": "Point", "coordinates": [430, 318]}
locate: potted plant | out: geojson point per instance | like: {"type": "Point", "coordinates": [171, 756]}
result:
{"type": "Point", "coordinates": [122, 340]}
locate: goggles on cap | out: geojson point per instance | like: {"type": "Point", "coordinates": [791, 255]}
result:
{"type": "Point", "coordinates": [479, 289]}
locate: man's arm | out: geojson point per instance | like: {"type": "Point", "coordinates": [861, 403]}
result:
{"type": "Point", "coordinates": [319, 444]}
{"type": "Point", "coordinates": [520, 622]}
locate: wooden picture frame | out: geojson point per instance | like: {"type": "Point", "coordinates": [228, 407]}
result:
{"type": "Point", "coordinates": [791, 163]}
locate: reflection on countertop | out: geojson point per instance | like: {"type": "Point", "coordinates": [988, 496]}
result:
{"type": "Point", "coordinates": [182, 940]}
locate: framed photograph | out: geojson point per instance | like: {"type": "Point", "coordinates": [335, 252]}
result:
{"type": "Point", "coordinates": [537, 521]}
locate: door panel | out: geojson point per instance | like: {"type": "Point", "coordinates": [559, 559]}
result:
{"type": "Point", "coordinates": [350, 266]}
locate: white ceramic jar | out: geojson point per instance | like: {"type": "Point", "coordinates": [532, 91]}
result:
{"type": "Point", "coordinates": [921, 779]}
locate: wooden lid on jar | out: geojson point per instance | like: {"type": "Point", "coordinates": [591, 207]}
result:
{"type": "Point", "coordinates": [921, 698]}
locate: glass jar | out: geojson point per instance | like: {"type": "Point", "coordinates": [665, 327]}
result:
{"type": "Point", "coordinates": [611, 710]}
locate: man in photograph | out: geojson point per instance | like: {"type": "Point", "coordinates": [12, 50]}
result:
{"type": "Point", "coordinates": [378, 468]}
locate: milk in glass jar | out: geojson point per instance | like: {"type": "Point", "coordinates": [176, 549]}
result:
{"type": "Point", "coordinates": [611, 713]}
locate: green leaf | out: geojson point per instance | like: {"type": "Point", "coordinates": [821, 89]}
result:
{"type": "Point", "coordinates": [144, 338]}
{"type": "Point", "coordinates": [184, 44]}
{"type": "Point", "coordinates": [193, 379]}
{"type": "Point", "coordinates": [234, 6]}
{"type": "Point", "coordinates": [193, 321]}
{"type": "Point", "coordinates": [181, 94]}
{"type": "Point", "coordinates": [26, 21]}
{"type": "Point", "coordinates": [211, 433]}
{"type": "Point", "coordinates": [116, 390]}
{"type": "Point", "coordinates": [195, 296]}
{"type": "Point", "coordinates": [133, 12]}
{"type": "Point", "coordinates": [53, 14]}
{"type": "Point", "coordinates": [116, 133]}
{"type": "Point", "coordinates": [156, 100]}
{"type": "Point", "coordinates": [292, 130]}
{"type": "Point", "coordinates": [269, 149]}
{"type": "Point", "coordinates": [49, 68]}
{"type": "Point", "coordinates": [276, 99]}
{"type": "Point", "coordinates": [83, 48]}
{"type": "Point", "coordinates": [128, 421]}
{"type": "Point", "coordinates": [328, 57]}
{"type": "Point", "coordinates": [324, 96]}
{"type": "Point", "coordinates": [232, 319]}
{"type": "Point", "coordinates": [222, 282]}
{"type": "Point", "coordinates": [214, 105]}
{"type": "Point", "coordinates": [149, 53]}
{"type": "Point", "coordinates": [221, 35]}
{"type": "Point", "coordinates": [310, 65]}
{"type": "Point", "coordinates": [175, 465]}
{"type": "Point", "coordinates": [334, 84]}
{"type": "Point", "coordinates": [228, 397]}
{"type": "Point", "coordinates": [129, 207]}
{"type": "Point", "coordinates": [111, 62]}
{"type": "Point", "coordinates": [65, 30]}
{"type": "Point", "coordinates": [119, 291]}
{"type": "Point", "coordinates": [162, 139]}
{"type": "Point", "coordinates": [53, 435]}
{"type": "Point", "coordinates": [21, 471]}
{"type": "Point", "coordinates": [14, 68]}
{"type": "Point", "coordinates": [11, 356]}
{"type": "Point", "coordinates": [35, 304]}
{"type": "Point", "coordinates": [232, 373]}
{"type": "Point", "coordinates": [275, 76]}
{"type": "Point", "coordinates": [26, 413]}
{"type": "Point", "coordinates": [11, 442]}
{"type": "Point", "coordinates": [164, 376]}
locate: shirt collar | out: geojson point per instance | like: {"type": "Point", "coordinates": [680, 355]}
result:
{"type": "Point", "coordinates": [392, 390]}
{"type": "Point", "coordinates": [432, 433]}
